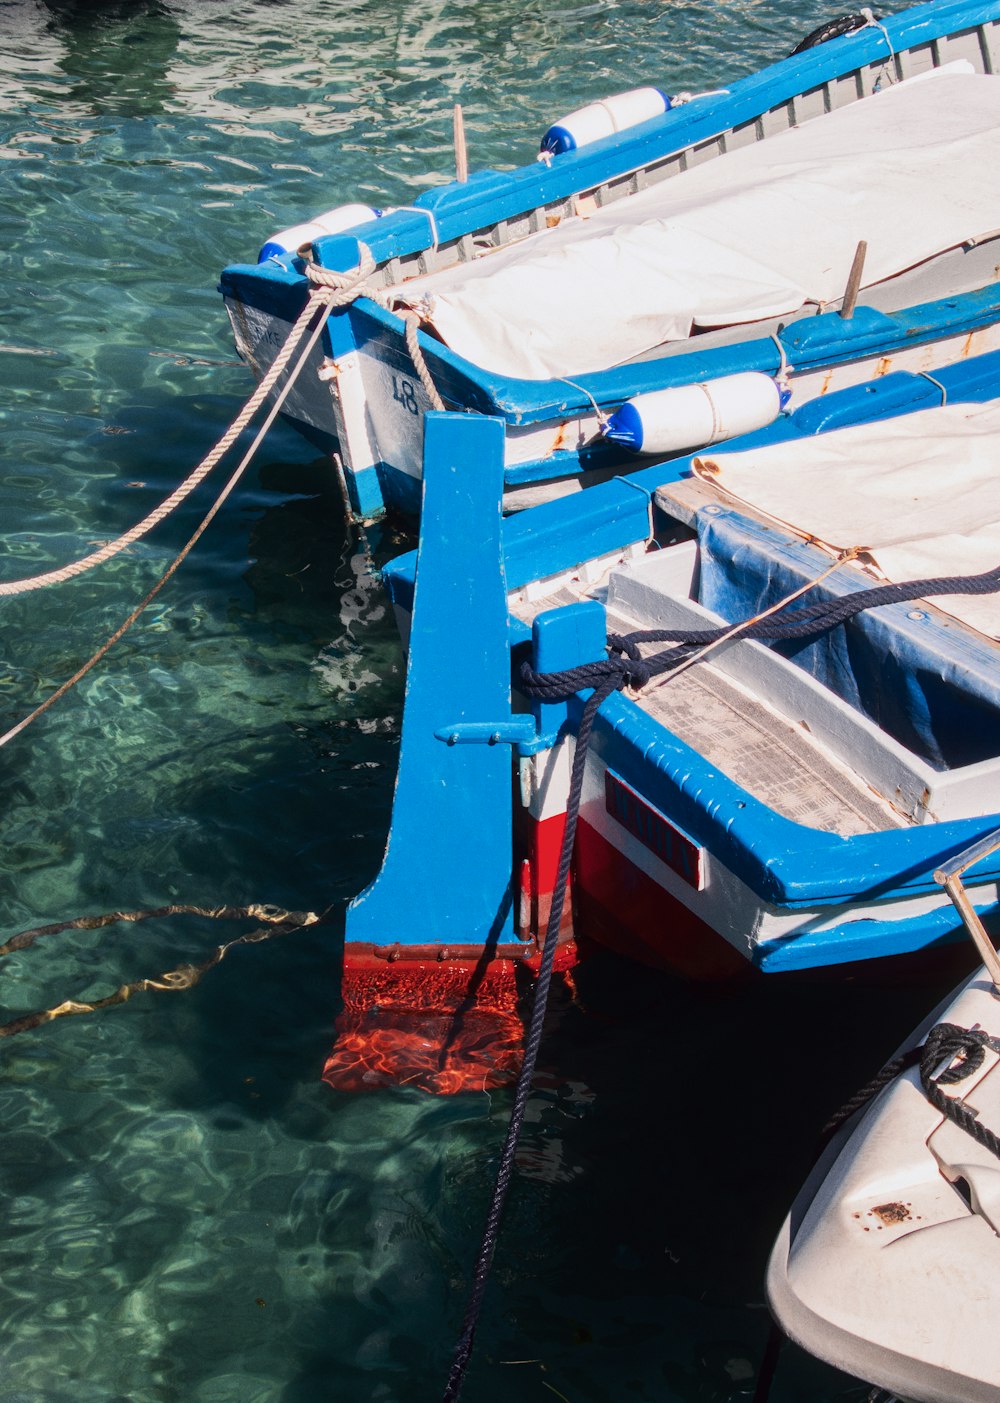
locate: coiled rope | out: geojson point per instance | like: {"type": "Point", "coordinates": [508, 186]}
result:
{"type": "Point", "coordinates": [948, 1055]}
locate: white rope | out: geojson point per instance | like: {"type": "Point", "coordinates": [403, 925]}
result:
{"type": "Point", "coordinates": [210, 515]}
{"type": "Point", "coordinates": [329, 290]}
{"type": "Point", "coordinates": [783, 377]}
{"type": "Point", "coordinates": [926, 375]}
{"type": "Point", "coordinates": [602, 419]}
{"type": "Point", "coordinates": [872, 23]}
{"type": "Point", "coordinates": [428, 214]}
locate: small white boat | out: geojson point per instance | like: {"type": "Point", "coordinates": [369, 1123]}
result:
{"type": "Point", "coordinates": [888, 1265]}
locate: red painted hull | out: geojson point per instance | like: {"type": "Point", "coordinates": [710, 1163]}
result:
{"type": "Point", "coordinates": [441, 1020]}
{"type": "Point", "coordinates": [619, 906]}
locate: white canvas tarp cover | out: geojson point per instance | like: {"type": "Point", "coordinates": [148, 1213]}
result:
{"type": "Point", "coordinates": [913, 170]}
{"type": "Point", "coordinates": [921, 494]}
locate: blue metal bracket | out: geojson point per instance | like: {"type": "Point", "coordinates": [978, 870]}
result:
{"type": "Point", "coordinates": [519, 730]}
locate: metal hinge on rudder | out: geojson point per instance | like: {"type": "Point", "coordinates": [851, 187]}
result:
{"type": "Point", "coordinates": [949, 875]}
{"type": "Point", "coordinates": [516, 730]}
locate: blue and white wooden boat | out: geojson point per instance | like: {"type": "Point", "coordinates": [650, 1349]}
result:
{"type": "Point", "coordinates": [779, 808]}
{"type": "Point", "coordinates": [536, 287]}
{"type": "Point", "coordinates": [888, 1264]}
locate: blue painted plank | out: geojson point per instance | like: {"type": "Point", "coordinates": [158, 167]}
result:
{"type": "Point", "coordinates": [446, 877]}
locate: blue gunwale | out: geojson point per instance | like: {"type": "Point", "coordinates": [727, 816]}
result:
{"type": "Point", "coordinates": [822, 340]}
{"type": "Point", "coordinates": [558, 535]}
{"type": "Point", "coordinates": [785, 863]}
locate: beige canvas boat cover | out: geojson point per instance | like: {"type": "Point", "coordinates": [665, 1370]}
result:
{"type": "Point", "coordinates": [921, 494]}
{"type": "Point", "coordinates": [758, 232]}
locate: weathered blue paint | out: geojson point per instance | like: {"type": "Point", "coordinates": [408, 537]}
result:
{"type": "Point", "coordinates": [364, 490]}
{"type": "Point", "coordinates": [446, 877]}
{"type": "Point", "coordinates": [785, 863]}
{"type": "Point", "coordinates": [863, 940]}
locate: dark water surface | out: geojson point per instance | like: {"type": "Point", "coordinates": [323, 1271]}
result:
{"type": "Point", "coordinates": [187, 1214]}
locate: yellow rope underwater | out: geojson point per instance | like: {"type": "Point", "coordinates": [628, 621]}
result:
{"type": "Point", "coordinates": [272, 915]}
{"type": "Point", "coordinates": [184, 977]}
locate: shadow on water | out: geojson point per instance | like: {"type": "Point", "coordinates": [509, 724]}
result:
{"type": "Point", "coordinates": [669, 1127]}
{"type": "Point", "coordinates": [116, 52]}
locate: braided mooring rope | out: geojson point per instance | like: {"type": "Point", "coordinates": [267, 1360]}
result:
{"type": "Point", "coordinates": [78, 567]}
{"type": "Point", "coordinates": [330, 290]}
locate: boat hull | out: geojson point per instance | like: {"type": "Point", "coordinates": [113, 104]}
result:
{"type": "Point", "coordinates": [888, 1265]}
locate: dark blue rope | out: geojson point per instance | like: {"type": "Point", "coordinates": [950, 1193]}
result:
{"type": "Point", "coordinates": [532, 1041]}
{"type": "Point", "coordinates": [787, 625]}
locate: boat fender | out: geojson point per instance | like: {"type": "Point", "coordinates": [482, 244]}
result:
{"type": "Point", "coordinates": [693, 416]}
{"type": "Point", "coordinates": [332, 221]}
{"type": "Point", "coordinates": [598, 119]}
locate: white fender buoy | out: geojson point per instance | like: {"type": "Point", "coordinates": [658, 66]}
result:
{"type": "Point", "coordinates": [333, 221]}
{"type": "Point", "coordinates": [693, 416]}
{"type": "Point", "coordinates": [597, 119]}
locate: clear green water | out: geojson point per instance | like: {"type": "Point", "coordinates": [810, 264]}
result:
{"type": "Point", "coordinates": [187, 1215]}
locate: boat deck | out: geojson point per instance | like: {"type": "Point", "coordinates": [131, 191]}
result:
{"type": "Point", "coordinates": [764, 753]}
{"type": "Point", "coordinates": [773, 758]}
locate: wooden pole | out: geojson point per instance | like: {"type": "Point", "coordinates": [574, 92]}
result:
{"type": "Point", "coordinates": [461, 152]}
{"type": "Point", "coordinates": [854, 281]}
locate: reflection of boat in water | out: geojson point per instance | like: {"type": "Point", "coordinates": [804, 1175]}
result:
{"type": "Point", "coordinates": [786, 801]}
{"type": "Point", "coordinates": [887, 1265]}
{"type": "Point", "coordinates": [693, 246]}
{"type": "Point", "coordinates": [116, 53]}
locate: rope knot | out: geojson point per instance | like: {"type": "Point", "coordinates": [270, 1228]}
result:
{"type": "Point", "coordinates": [635, 672]}
{"type": "Point", "coordinates": [961, 1050]}
{"type": "Point", "coordinates": [344, 288]}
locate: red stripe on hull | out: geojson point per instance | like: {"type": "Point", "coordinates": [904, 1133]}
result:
{"type": "Point", "coordinates": [620, 906]}
{"type": "Point", "coordinates": [444, 1025]}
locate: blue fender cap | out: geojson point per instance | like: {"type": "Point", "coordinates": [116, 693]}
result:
{"type": "Point", "coordinates": [625, 427]}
